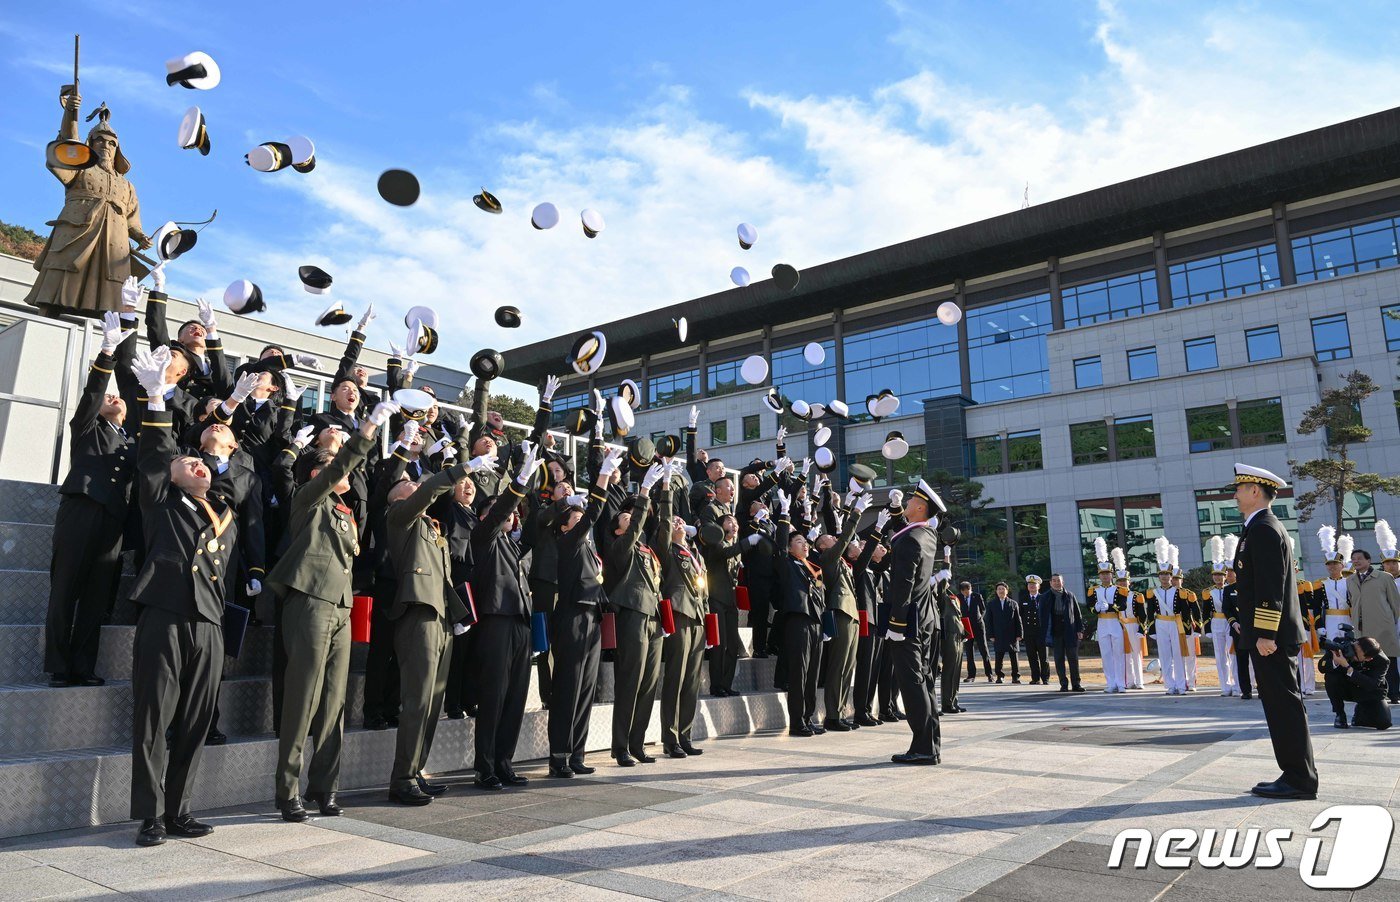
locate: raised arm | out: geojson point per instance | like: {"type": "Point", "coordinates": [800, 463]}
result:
{"type": "Point", "coordinates": [402, 513]}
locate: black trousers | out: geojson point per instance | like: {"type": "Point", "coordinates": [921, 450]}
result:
{"type": "Point", "coordinates": [1392, 679]}
{"type": "Point", "coordinates": [175, 673]}
{"type": "Point", "coordinates": [1241, 661]}
{"type": "Point", "coordinates": [760, 610]}
{"type": "Point", "coordinates": [504, 648]}
{"type": "Point", "coordinates": [542, 596]}
{"type": "Point", "coordinates": [978, 644]}
{"type": "Point", "coordinates": [461, 673]}
{"type": "Point", "coordinates": [1286, 716]}
{"type": "Point", "coordinates": [83, 574]}
{"type": "Point", "coordinates": [1372, 712]}
{"type": "Point", "coordinates": [869, 650]}
{"type": "Point", "coordinates": [888, 687]}
{"type": "Point", "coordinates": [382, 663]}
{"type": "Point", "coordinates": [1040, 663]}
{"type": "Point", "coordinates": [950, 669]}
{"type": "Point", "coordinates": [1004, 650]}
{"type": "Point", "coordinates": [575, 641]}
{"type": "Point", "coordinates": [724, 659]}
{"type": "Point", "coordinates": [1067, 647]}
{"type": "Point", "coordinates": [802, 647]}
{"type": "Point", "coordinates": [913, 671]}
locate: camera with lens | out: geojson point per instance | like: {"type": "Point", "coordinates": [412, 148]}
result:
{"type": "Point", "coordinates": [1345, 643]}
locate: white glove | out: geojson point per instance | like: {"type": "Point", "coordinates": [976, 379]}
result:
{"type": "Point", "coordinates": [291, 389]}
{"type": "Point", "coordinates": [551, 385]}
{"type": "Point", "coordinates": [849, 499]}
{"type": "Point", "coordinates": [366, 319]}
{"type": "Point", "coordinates": [395, 352]}
{"type": "Point", "coordinates": [761, 515]}
{"type": "Point", "coordinates": [131, 293]}
{"type": "Point", "coordinates": [449, 452]}
{"type": "Point", "coordinates": [158, 277]}
{"type": "Point", "coordinates": [690, 531]}
{"type": "Point", "coordinates": [528, 463]}
{"type": "Point", "coordinates": [306, 361]}
{"type": "Point", "coordinates": [943, 575]}
{"type": "Point", "coordinates": [863, 502]}
{"type": "Point", "coordinates": [484, 462]}
{"type": "Point", "coordinates": [753, 539]}
{"type": "Point", "coordinates": [149, 367]}
{"type": "Point", "coordinates": [112, 332]}
{"type": "Point", "coordinates": [694, 417]}
{"type": "Point", "coordinates": [243, 388]}
{"type": "Point", "coordinates": [782, 434]}
{"type": "Point", "coordinates": [438, 446]}
{"type": "Point", "coordinates": [254, 587]}
{"type": "Point", "coordinates": [610, 463]}
{"type": "Point", "coordinates": [652, 476]}
{"type": "Point", "coordinates": [303, 437]}
{"type": "Point", "coordinates": [383, 411]}
{"type": "Point", "coordinates": [784, 502]}
{"type": "Point", "coordinates": [782, 463]}
{"type": "Point", "coordinates": [409, 433]}
{"type": "Point", "coordinates": [597, 402]}
{"type": "Point", "coordinates": [896, 498]}
{"type": "Point", "coordinates": [881, 519]}
{"type": "Point", "coordinates": [459, 629]}
{"type": "Point", "coordinates": [893, 635]}
{"type": "Point", "coordinates": [813, 533]}
{"type": "Point", "coordinates": [578, 500]}
{"type": "Point", "coordinates": [410, 366]}
{"type": "Point", "coordinates": [207, 317]}
{"type": "Point", "coordinates": [806, 466]}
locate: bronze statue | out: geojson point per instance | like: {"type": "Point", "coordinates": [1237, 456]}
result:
{"type": "Point", "coordinates": [88, 255]}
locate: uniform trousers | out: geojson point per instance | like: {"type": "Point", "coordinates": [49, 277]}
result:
{"type": "Point", "coordinates": [420, 640]}
{"type": "Point", "coordinates": [977, 643]}
{"type": "Point", "coordinates": [867, 677]}
{"type": "Point", "coordinates": [382, 690]}
{"type": "Point", "coordinates": [317, 637]}
{"type": "Point", "coordinates": [682, 652]}
{"type": "Point", "coordinates": [504, 648]}
{"type": "Point", "coordinates": [950, 673]}
{"type": "Point", "coordinates": [1244, 671]}
{"type": "Point", "coordinates": [1036, 654]}
{"type": "Point", "coordinates": [802, 648]}
{"type": "Point", "coordinates": [576, 643]}
{"type": "Point", "coordinates": [83, 575]}
{"type": "Point", "coordinates": [887, 687]}
{"type": "Point", "coordinates": [1286, 716]}
{"type": "Point", "coordinates": [724, 659]}
{"type": "Point", "coordinates": [840, 665]}
{"type": "Point", "coordinates": [1110, 637]}
{"type": "Point", "coordinates": [176, 662]}
{"type": "Point", "coordinates": [1224, 658]}
{"type": "Point", "coordinates": [760, 610]}
{"type": "Point", "coordinates": [638, 673]}
{"type": "Point", "coordinates": [1132, 652]}
{"type": "Point", "coordinates": [913, 670]}
{"type": "Point", "coordinates": [542, 597]}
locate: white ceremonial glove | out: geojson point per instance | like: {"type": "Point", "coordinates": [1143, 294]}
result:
{"type": "Point", "coordinates": [862, 502]}
{"type": "Point", "coordinates": [653, 475]}
{"type": "Point", "coordinates": [848, 500]}
{"type": "Point", "coordinates": [813, 533]}
{"type": "Point", "coordinates": [896, 498]}
{"type": "Point", "coordinates": [578, 500]}
{"type": "Point", "coordinates": [753, 539]}
{"type": "Point", "coordinates": [882, 518]}
{"type": "Point", "coordinates": [690, 531]}
{"type": "Point", "coordinates": [894, 635]}
{"type": "Point", "coordinates": [149, 367]}
{"type": "Point", "coordinates": [438, 446]}
{"type": "Point", "coordinates": [383, 411]}
{"type": "Point", "coordinates": [761, 515]}
{"type": "Point", "coordinates": [806, 466]}
{"type": "Point", "coordinates": [243, 388]}
{"type": "Point", "coordinates": [784, 503]}
{"type": "Point", "coordinates": [449, 452]}
{"type": "Point", "coordinates": [112, 332]}
{"type": "Point", "coordinates": [782, 434]}
{"type": "Point", "coordinates": [291, 389]}
{"type": "Point", "coordinates": [459, 629]}
{"type": "Point", "coordinates": [131, 293]}
{"type": "Point", "coordinates": [158, 277]}
{"type": "Point", "coordinates": [942, 575]}
{"type": "Point", "coordinates": [409, 433]}
{"type": "Point", "coordinates": [598, 402]}
{"type": "Point", "coordinates": [306, 361]}
{"type": "Point", "coordinates": [303, 437]}
{"type": "Point", "coordinates": [486, 462]}
{"type": "Point", "coordinates": [610, 463]}
{"type": "Point", "coordinates": [396, 353]}
{"type": "Point", "coordinates": [528, 463]}
{"type": "Point", "coordinates": [207, 317]}
{"type": "Point", "coordinates": [694, 417]}
{"type": "Point", "coordinates": [410, 366]}
{"type": "Point", "coordinates": [366, 319]}
{"type": "Point", "coordinates": [254, 587]}
{"type": "Point", "coordinates": [551, 385]}
{"type": "Point", "coordinates": [781, 464]}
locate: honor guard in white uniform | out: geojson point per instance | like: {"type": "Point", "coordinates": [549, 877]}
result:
{"type": "Point", "coordinates": [1336, 556]}
{"type": "Point", "coordinates": [1188, 607]}
{"type": "Point", "coordinates": [1390, 555]}
{"type": "Point", "coordinates": [1213, 612]}
{"type": "Point", "coordinates": [1134, 622]}
{"type": "Point", "coordinates": [1167, 628]}
{"type": "Point", "coordinates": [1107, 611]}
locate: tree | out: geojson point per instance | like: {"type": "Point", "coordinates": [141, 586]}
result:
{"type": "Point", "coordinates": [981, 556]}
{"type": "Point", "coordinates": [514, 410]}
{"type": "Point", "coordinates": [1338, 416]}
{"type": "Point", "coordinates": [1197, 579]}
{"type": "Point", "coordinates": [19, 241]}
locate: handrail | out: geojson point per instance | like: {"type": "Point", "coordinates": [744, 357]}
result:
{"type": "Point", "coordinates": [71, 358]}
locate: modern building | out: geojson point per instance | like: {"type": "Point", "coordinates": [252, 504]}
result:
{"type": "Point", "coordinates": [1120, 348]}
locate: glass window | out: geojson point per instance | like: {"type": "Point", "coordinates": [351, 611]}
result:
{"type": "Point", "coordinates": [1358, 514]}
{"type": "Point", "coordinates": [1088, 372]}
{"type": "Point", "coordinates": [751, 427]}
{"type": "Point", "coordinates": [724, 378]}
{"type": "Point", "coordinates": [1142, 524]}
{"type": "Point", "coordinates": [1200, 354]}
{"type": "Point", "coordinates": [1208, 428]}
{"type": "Point", "coordinates": [1261, 422]}
{"type": "Point", "coordinates": [1331, 338]}
{"type": "Point", "coordinates": [719, 432]}
{"type": "Point", "coordinates": [875, 461]}
{"type": "Point", "coordinates": [796, 379]}
{"type": "Point", "coordinates": [1024, 450]}
{"type": "Point", "coordinates": [1116, 298]}
{"type": "Point", "coordinates": [1098, 518]}
{"type": "Point", "coordinates": [1032, 540]}
{"type": "Point", "coordinates": [1217, 515]}
{"type": "Point", "coordinates": [1349, 249]}
{"type": "Point", "coordinates": [1134, 438]}
{"type": "Point", "coordinates": [1088, 443]}
{"type": "Point", "coordinates": [1390, 322]}
{"type": "Point", "coordinates": [916, 360]}
{"type": "Point", "coordinates": [1397, 407]}
{"type": "Point", "coordinates": [1006, 349]}
{"type": "Point", "coordinates": [1263, 343]}
{"type": "Point", "coordinates": [1142, 363]}
{"type": "Point", "coordinates": [986, 455]}
{"type": "Point", "coordinates": [673, 388]}
{"type": "Point", "coordinates": [565, 403]}
{"type": "Point", "coordinates": [1224, 275]}
{"type": "Point", "coordinates": [909, 469]}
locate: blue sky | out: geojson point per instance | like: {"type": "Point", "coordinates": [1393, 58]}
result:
{"type": "Point", "coordinates": [835, 127]}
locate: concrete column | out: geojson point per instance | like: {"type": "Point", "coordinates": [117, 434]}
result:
{"type": "Point", "coordinates": [964, 358]}
{"type": "Point", "coordinates": [1113, 456]}
{"type": "Point", "coordinates": [1005, 452]}
{"type": "Point", "coordinates": [646, 380]}
{"type": "Point", "coordinates": [1233, 406]}
{"type": "Point", "coordinates": [1159, 262]}
{"type": "Point", "coordinates": [838, 334]}
{"type": "Point", "coordinates": [1283, 242]}
{"type": "Point", "coordinates": [704, 369]}
{"type": "Point", "coordinates": [1057, 306]}
{"type": "Point", "coordinates": [768, 352]}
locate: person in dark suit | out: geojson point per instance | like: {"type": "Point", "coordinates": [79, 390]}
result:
{"type": "Point", "coordinates": [87, 533]}
{"type": "Point", "coordinates": [1004, 624]}
{"type": "Point", "coordinates": [350, 368]}
{"type": "Point", "coordinates": [1363, 681]}
{"type": "Point", "coordinates": [801, 599]}
{"type": "Point", "coordinates": [1230, 605]}
{"type": "Point", "coordinates": [197, 341]}
{"type": "Point", "coordinates": [684, 583]}
{"type": "Point", "coordinates": [1033, 630]}
{"type": "Point", "coordinates": [1064, 630]}
{"type": "Point", "coordinates": [179, 646]}
{"type": "Point", "coordinates": [869, 647]}
{"type": "Point", "coordinates": [974, 608]}
{"type": "Point", "coordinates": [1272, 622]}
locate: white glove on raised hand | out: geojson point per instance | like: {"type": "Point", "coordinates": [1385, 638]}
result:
{"type": "Point", "coordinates": [610, 463]}
{"type": "Point", "coordinates": [782, 434]}
{"type": "Point", "coordinates": [449, 452]}
{"type": "Point", "coordinates": [784, 502]}
{"type": "Point", "coordinates": [652, 477]}
{"type": "Point", "coordinates": [243, 388]}
{"type": "Point", "coordinates": [761, 515]}
{"type": "Point", "coordinates": [254, 587]}
{"type": "Point", "coordinates": [438, 446]}
{"type": "Point", "coordinates": [409, 434]}
{"type": "Point", "coordinates": [942, 576]}
{"type": "Point", "coordinates": [813, 533]}
{"type": "Point", "coordinates": [528, 463]}
{"type": "Point", "coordinates": [131, 293]}
{"type": "Point", "coordinates": [862, 503]}
{"type": "Point", "coordinates": [396, 353]}
{"type": "Point", "coordinates": [896, 498]}
{"type": "Point", "coordinates": [207, 317]}
{"type": "Point", "coordinates": [366, 319]}
{"type": "Point", "coordinates": [291, 389]}
{"type": "Point", "coordinates": [112, 332]}
{"type": "Point", "coordinates": [303, 436]}
{"type": "Point", "coordinates": [306, 361]}
{"type": "Point", "coordinates": [781, 464]}
{"type": "Point", "coordinates": [578, 500]}
{"type": "Point", "coordinates": [383, 411]}
{"type": "Point", "coordinates": [806, 466]}
{"type": "Point", "coordinates": [598, 402]}
{"type": "Point", "coordinates": [882, 518]}
{"type": "Point", "coordinates": [487, 461]}
{"type": "Point", "coordinates": [694, 417]}
{"type": "Point", "coordinates": [158, 277]}
{"type": "Point", "coordinates": [410, 366]}
{"type": "Point", "coordinates": [149, 367]}
{"type": "Point", "coordinates": [753, 539]}
{"type": "Point", "coordinates": [551, 385]}
{"type": "Point", "coordinates": [894, 635]}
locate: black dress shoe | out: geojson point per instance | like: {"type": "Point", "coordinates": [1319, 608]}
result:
{"type": "Point", "coordinates": [432, 789]}
{"type": "Point", "coordinates": [88, 680]}
{"type": "Point", "coordinates": [578, 767]}
{"type": "Point", "coordinates": [960, 709]}
{"type": "Point", "coordinates": [456, 715]}
{"type": "Point", "coordinates": [411, 795]}
{"type": "Point", "coordinates": [61, 681]}
{"type": "Point", "coordinates": [803, 730]}
{"type": "Point", "coordinates": [186, 826]}
{"type": "Point", "coordinates": [152, 832]}
{"type": "Point", "coordinates": [642, 757]}
{"type": "Point", "coordinates": [393, 721]}
{"type": "Point", "coordinates": [947, 710]}
{"type": "Point", "coordinates": [1246, 696]}
{"type": "Point", "coordinates": [1064, 688]}
{"type": "Point", "coordinates": [562, 773]}
{"type": "Point", "coordinates": [1077, 689]}
{"type": "Point", "coordinates": [326, 802]}
{"type": "Point", "coordinates": [866, 721]}
{"type": "Point", "coordinates": [376, 723]}
{"type": "Point", "coordinates": [998, 680]}
{"type": "Point", "coordinates": [672, 751]}
{"type": "Point", "coordinates": [216, 738]}
{"type": "Point", "coordinates": [514, 779]}
{"type": "Point", "coordinates": [1341, 722]}
{"type": "Point", "coordinates": [293, 810]}
{"type": "Point", "coordinates": [490, 784]}
{"type": "Point", "coordinates": [850, 723]}
{"type": "Point", "coordinates": [691, 750]}
{"type": "Point", "coordinates": [914, 758]}
{"type": "Point", "coordinates": [625, 760]}
{"type": "Point", "coordinates": [1013, 679]}
{"type": "Point", "coordinates": [836, 726]}
{"type": "Point", "coordinates": [1281, 790]}
{"type": "Point", "coordinates": [816, 728]}
{"type": "Point", "coordinates": [470, 710]}
{"type": "Point", "coordinates": [720, 693]}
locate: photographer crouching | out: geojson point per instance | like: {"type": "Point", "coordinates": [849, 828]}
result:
{"type": "Point", "coordinates": [1355, 672]}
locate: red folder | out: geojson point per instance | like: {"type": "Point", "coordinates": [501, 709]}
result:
{"type": "Point", "coordinates": [668, 617]}
{"type": "Point", "coordinates": [711, 630]}
{"type": "Point", "coordinates": [741, 598]}
{"type": "Point", "coordinates": [361, 608]}
{"type": "Point", "coordinates": [608, 629]}
{"type": "Point", "coordinates": [864, 622]}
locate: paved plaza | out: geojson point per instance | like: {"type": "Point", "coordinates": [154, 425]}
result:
{"type": "Point", "coordinates": [1034, 786]}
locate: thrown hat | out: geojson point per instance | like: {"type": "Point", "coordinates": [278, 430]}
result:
{"type": "Point", "coordinates": [194, 131]}
{"type": "Point", "coordinates": [949, 313]}
{"type": "Point", "coordinates": [814, 353]}
{"type": "Point", "coordinates": [588, 352]}
{"type": "Point", "coordinates": [1258, 475]}
{"type": "Point", "coordinates": [580, 421]}
{"type": "Point", "coordinates": [487, 364]}
{"type": "Point", "coordinates": [818, 410]}
{"type": "Point", "coordinates": [925, 491]}
{"type": "Point", "coordinates": [487, 201]}
{"type": "Point", "coordinates": [773, 401]}
{"type": "Point", "coordinates": [629, 392]}
{"type": "Point", "coordinates": [801, 409]}
{"type": "Point", "coordinates": [862, 476]}
{"type": "Point", "coordinates": [641, 451]}
{"type": "Point", "coordinates": [334, 315]}
{"type": "Point", "coordinates": [884, 404]}
{"type": "Point", "coordinates": [786, 276]}
{"type": "Point", "coordinates": [754, 369]}
{"type": "Point", "coordinates": [196, 70]}
{"type": "Point", "coordinates": [895, 447]}
{"type": "Point", "coordinates": [171, 241]}
{"type": "Point", "coordinates": [314, 279]}
{"type": "Point", "coordinates": [668, 446]}
{"type": "Point", "coordinates": [415, 402]}
{"type": "Point", "coordinates": [711, 534]}
{"type": "Point", "coordinates": [682, 327]}
{"type": "Point", "coordinates": [399, 187]}
{"type": "Point", "coordinates": [822, 435]}
{"type": "Point", "coordinates": [748, 235]}
{"type": "Point", "coordinates": [425, 338]}
{"type": "Point", "coordinates": [592, 222]}
{"type": "Point", "coordinates": [508, 317]}
{"type": "Point", "coordinates": [544, 216]}
{"type": "Point", "coordinates": [620, 416]}
{"type": "Point", "coordinates": [740, 276]}
{"type": "Point", "coordinates": [243, 296]}
{"type": "Point", "coordinates": [421, 314]}
{"type": "Point", "coordinates": [840, 409]}
{"type": "Point", "coordinates": [825, 459]}
{"type": "Point", "coordinates": [271, 156]}
{"type": "Point", "coordinates": [303, 153]}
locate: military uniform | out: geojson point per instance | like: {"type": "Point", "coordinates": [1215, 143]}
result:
{"type": "Point", "coordinates": [575, 637]}
{"type": "Point", "coordinates": [839, 580]}
{"type": "Point", "coordinates": [801, 600]}
{"type": "Point", "coordinates": [1034, 632]}
{"type": "Point", "coordinates": [953, 636]}
{"type": "Point", "coordinates": [721, 576]}
{"type": "Point", "coordinates": [913, 611]}
{"type": "Point", "coordinates": [1110, 634]}
{"type": "Point", "coordinates": [685, 584]}
{"type": "Point", "coordinates": [869, 647]}
{"type": "Point", "coordinates": [1221, 639]}
{"type": "Point", "coordinates": [633, 575]}
{"type": "Point", "coordinates": [1188, 608]}
{"type": "Point", "coordinates": [208, 373]}
{"type": "Point", "coordinates": [1170, 635]}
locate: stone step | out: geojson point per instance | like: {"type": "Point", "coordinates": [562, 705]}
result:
{"type": "Point", "coordinates": [28, 502]}
{"type": "Point", "coordinates": [91, 786]}
{"type": "Point", "coordinates": [25, 546]}
{"type": "Point", "coordinates": [24, 595]}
